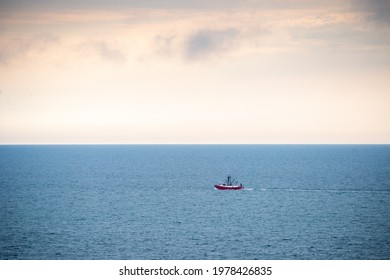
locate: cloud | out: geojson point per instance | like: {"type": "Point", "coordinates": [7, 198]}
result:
{"type": "Point", "coordinates": [109, 53]}
{"type": "Point", "coordinates": [16, 47]}
{"type": "Point", "coordinates": [165, 45]}
{"type": "Point", "coordinates": [379, 10]}
{"type": "Point", "coordinates": [207, 42]}
{"type": "Point", "coordinates": [154, 4]}
{"type": "Point", "coordinates": [122, 35]}
{"type": "Point", "coordinates": [327, 29]}
{"type": "Point", "coordinates": [39, 5]}
{"type": "Point", "coordinates": [94, 50]}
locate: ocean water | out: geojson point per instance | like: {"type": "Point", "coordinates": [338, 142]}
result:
{"type": "Point", "coordinates": [158, 202]}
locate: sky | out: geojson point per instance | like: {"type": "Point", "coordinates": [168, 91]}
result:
{"type": "Point", "coordinates": [195, 72]}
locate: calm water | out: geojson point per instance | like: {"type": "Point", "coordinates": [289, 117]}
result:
{"type": "Point", "coordinates": [158, 202]}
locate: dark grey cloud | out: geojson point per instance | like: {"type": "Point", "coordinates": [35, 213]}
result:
{"type": "Point", "coordinates": [207, 42]}
{"type": "Point", "coordinates": [379, 10]}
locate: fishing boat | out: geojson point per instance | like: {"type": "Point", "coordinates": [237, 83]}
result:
{"type": "Point", "coordinates": [229, 184]}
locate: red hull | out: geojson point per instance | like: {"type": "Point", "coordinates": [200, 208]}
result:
{"type": "Point", "coordinates": [221, 187]}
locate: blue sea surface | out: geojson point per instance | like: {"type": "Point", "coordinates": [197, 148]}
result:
{"type": "Point", "coordinates": [158, 202]}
